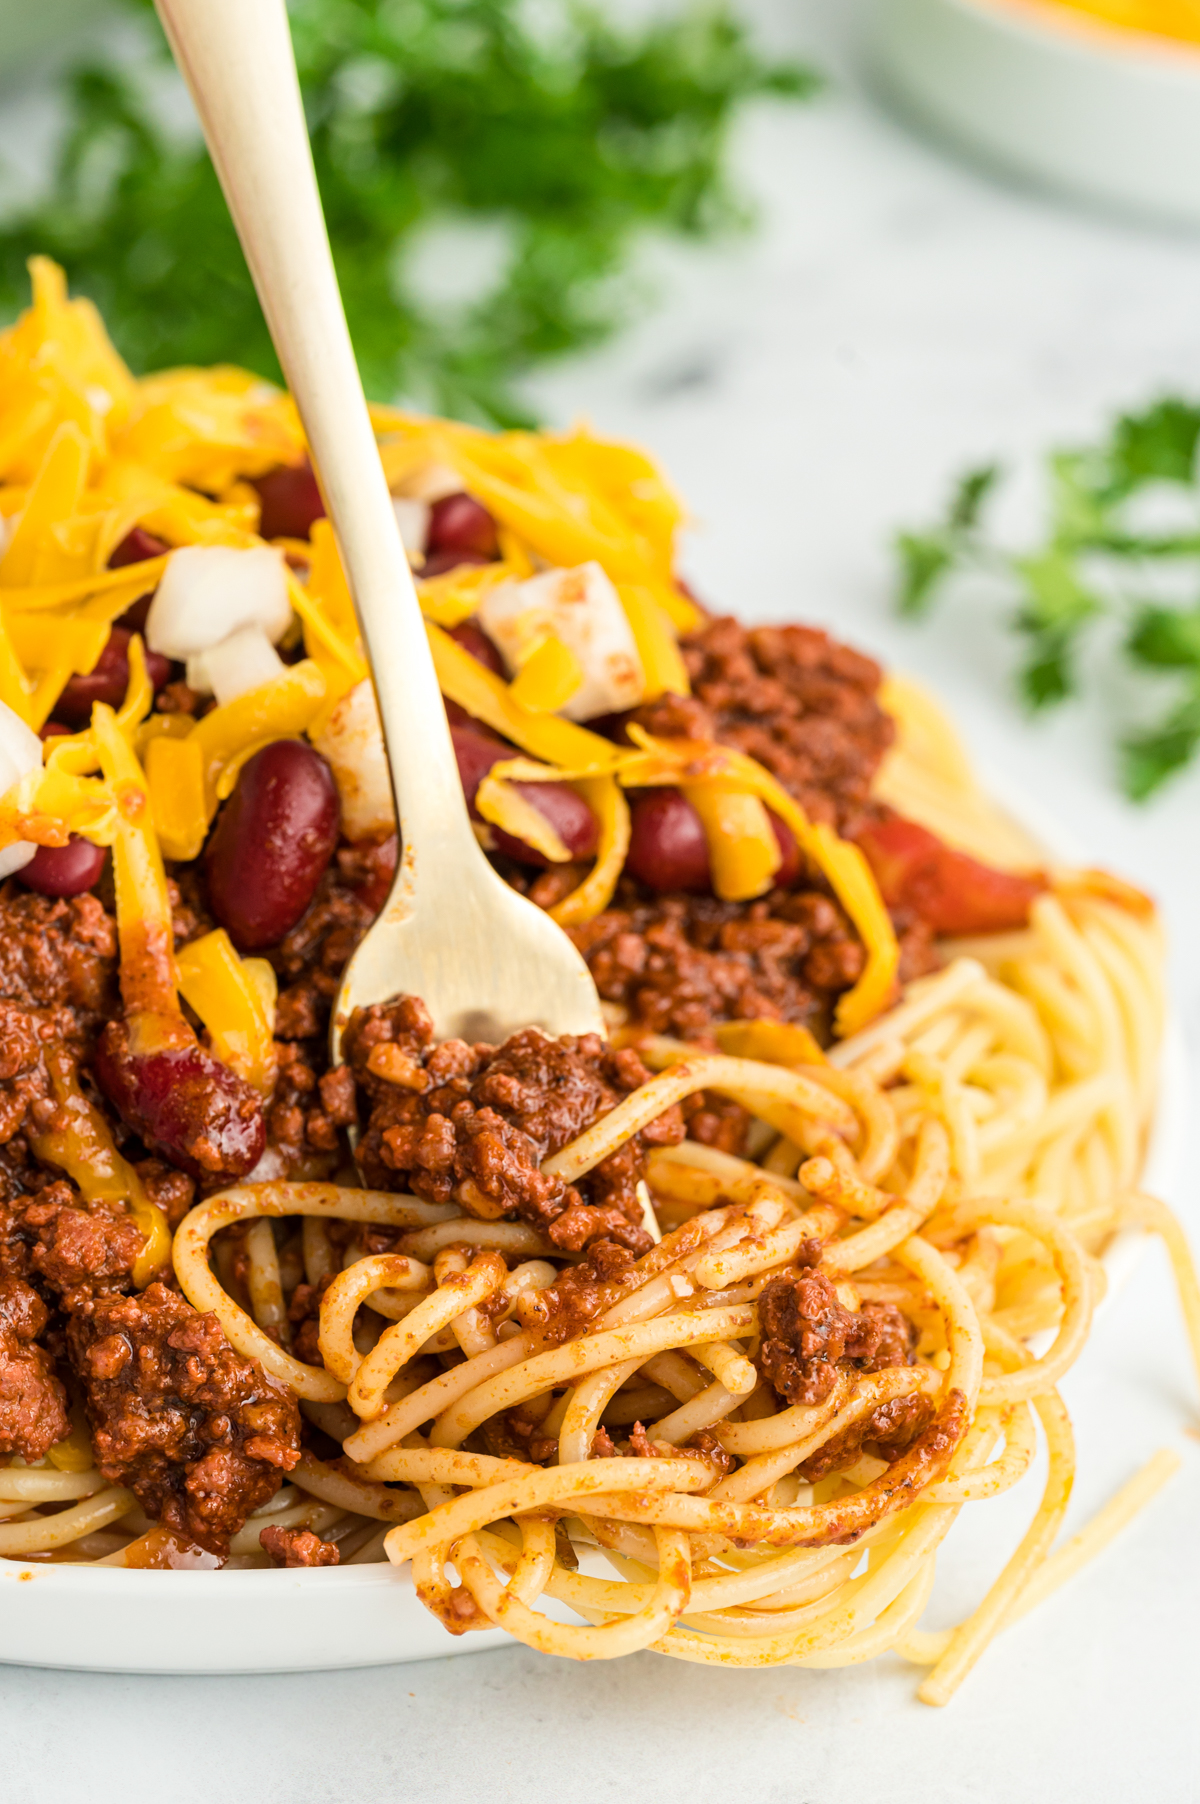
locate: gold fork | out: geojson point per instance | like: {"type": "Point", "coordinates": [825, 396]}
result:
{"type": "Point", "coordinates": [484, 959]}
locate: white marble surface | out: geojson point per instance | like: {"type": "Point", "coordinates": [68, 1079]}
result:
{"type": "Point", "coordinates": [898, 316]}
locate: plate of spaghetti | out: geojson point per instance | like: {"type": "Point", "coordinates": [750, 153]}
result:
{"type": "Point", "coordinates": [695, 1339]}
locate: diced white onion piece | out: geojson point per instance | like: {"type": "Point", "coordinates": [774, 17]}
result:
{"type": "Point", "coordinates": [20, 748]}
{"type": "Point", "coordinates": [208, 591]}
{"type": "Point", "coordinates": [16, 857]}
{"type": "Point", "coordinates": [352, 743]}
{"type": "Point", "coordinates": [244, 661]}
{"type": "Point", "coordinates": [584, 610]}
{"type": "Point", "coordinates": [432, 482]}
{"type": "Point", "coordinates": [20, 752]}
{"type": "Point", "coordinates": [412, 517]}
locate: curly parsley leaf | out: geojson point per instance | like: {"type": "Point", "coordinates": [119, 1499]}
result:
{"type": "Point", "coordinates": [926, 558]}
{"type": "Point", "coordinates": [1092, 561]}
{"type": "Point", "coordinates": [1158, 444]}
{"type": "Point", "coordinates": [1148, 758]}
{"type": "Point", "coordinates": [1166, 638]}
{"type": "Point", "coordinates": [1055, 609]}
{"type": "Point", "coordinates": [558, 136]}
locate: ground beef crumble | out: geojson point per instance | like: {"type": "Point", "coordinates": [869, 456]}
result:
{"type": "Point", "coordinates": [680, 964]}
{"type": "Point", "coordinates": [717, 1121]}
{"type": "Point", "coordinates": [57, 983]}
{"type": "Point", "coordinates": [474, 1123]}
{"type": "Point", "coordinates": [200, 1435]}
{"type": "Point", "coordinates": [808, 1335]}
{"type": "Point", "coordinates": [307, 1112]}
{"type": "Point", "coordinates": [577, 1296]}
{"type": "Point", "coordinates": [702, 1446]}
{"type": "Point", "coordinates": [297, 1547]}
{"type": "Point", "coordinates": [33, 1404]}
{"type": "Point", "coordinates": [799, 702]}
{"type": "Point", "coordinates": [304, 1314]}
{"type": "Point", "coordinates": [886, 1433]}
{"type": "Point", "coordinates": [77, 1251]}
{"type": "Point", "coordinates": [170, 1190]}
{"type": "Point", "coordinates": [311, 1105]}
{"type": "Point", "coordinates": [311, 958]}
{"type": "Point", "coordinates": [60, 956]}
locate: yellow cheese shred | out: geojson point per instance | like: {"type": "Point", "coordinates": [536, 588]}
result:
{"type": "Point", "coordinates": [548, 677]}
{"type": "Point", "coordinates": [657, 645]}
{"type": "Point", "coordinates": [148, 986]}
{"type": "Point", "coordinates": [603, 796]}
{"type": "Point", "coordinates": [175, 776]}
{"type": "Point", "coordinates": [280, 709]}
{"type": "Point", "coordinates": [743, 852]}
{"type": "Point", "coordinates": [770, 1042]}
{"type": "Point", "coordinates": [502, 806]}
{"type": "Point", "coordinates": [234, 997]}
{"type": "Point", "coordinates": [80, 1144]}
{"type": "Point", "coordinates": [485, 695]}
{"type": "Point", "coordinates": [32, 554]}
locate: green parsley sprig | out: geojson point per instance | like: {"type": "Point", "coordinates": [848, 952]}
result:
{"type": "Point", "coordinates": [1104, 547]}
{"type": "Point", "coordinates": [572, 138]}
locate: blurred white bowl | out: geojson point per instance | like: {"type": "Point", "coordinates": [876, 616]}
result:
{"type": "Point", "coordinates": [1046, 93]}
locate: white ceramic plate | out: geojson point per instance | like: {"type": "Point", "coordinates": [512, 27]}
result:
{"type": "Point", "coordinates": [105, 1619]}
{"type": "Point", "coordinates": [1051, 96]}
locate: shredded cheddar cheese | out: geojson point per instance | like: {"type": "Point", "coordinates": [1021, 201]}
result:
{"type": "Point", "coordinates": [770, 1042]}
{"type": "Point", "coordinates": [235, 999]}
{"type": "Point", "coordinates": [743, 852]}
{"type": "Point", "coordinates": [78, 1142]}
{"type": "Point", "coordinates": [498, 803]}
{"type": "Point", "coordinates": [604, 798]}
{"type": "Point", "coordinates": [88, 452]}
{"type": "Point", "coordinates": [548, 677]}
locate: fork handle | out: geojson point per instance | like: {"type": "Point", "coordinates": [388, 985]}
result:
{"type": "Point", "coordinates": [237, 59]}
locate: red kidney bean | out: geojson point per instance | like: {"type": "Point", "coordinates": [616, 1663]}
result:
{"type": "Point", "coordinates": [791, 859]}
{"type": "Point", "coordinates": [109, 680]}
{"type": "Point", "coordinates": [472, 638]}
{"type": "Point", "coordinates": [477, 750]}
{"type": "Point", "coordinates": [460, 524]}
{"type": "Point", "coordinates": [566, 811]}
{"type": "Point", "coordinates": [64, 870]}
{"type": "Point", "coordinates": [613, 726]}
{"type": "Point", "coordinates": [668, 849]}
{"type": "Point", "coordinates": [438, 562]}
{"type": "Point", "coordinates": [134, 618]}
{"type": "Point", "coordinates": [291, 501]}
{"type": "Point", "coordinates": [458, 717]}
{"type": "Point", "coordinates": [184, 1104]}
{"type": "Point", "coordinates": [271, 844]}
{"type": "Point", "coordinates": [136, 547]}
{"type": "Point", "coordinates": [52, 730]}
{"type": "Point", "coordinates": [373, 871]}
